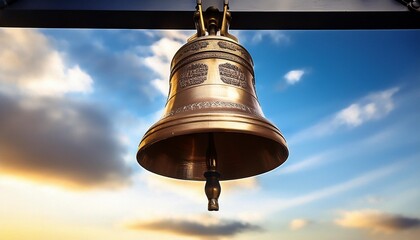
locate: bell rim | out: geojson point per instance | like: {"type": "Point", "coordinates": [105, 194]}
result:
{"type": "Point", "coordinates": [154, 136]}
{"type": "Point", "coordinates": [281, 161]}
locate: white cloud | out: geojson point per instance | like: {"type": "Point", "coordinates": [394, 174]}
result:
{"type": "Point", "coordinates": [162, 85]}
{"type": "Point", "coordinates": [275, 36]}
{"type": "Point", "coordinates": [58, 80]}
{"type": "Point", "coordinates": [181, 36]}
{"type": "Point", "coordinates": [297, 224]}
{"type": "Point", "coordinates": [372, 107]}
{"type": "Point", "coordinates": [163, 51]}
{"type": "Point", "coordinates": [294, 76]}
{"type": "Point", "coordinates": [376, 221]}
{"type": "Point", "coordinates": [31, 64]}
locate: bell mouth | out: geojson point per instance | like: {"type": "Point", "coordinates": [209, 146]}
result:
{"type": "Point", "coordinates": [239, 156]}
{"type": "Point", "coordinates": [245, 148]}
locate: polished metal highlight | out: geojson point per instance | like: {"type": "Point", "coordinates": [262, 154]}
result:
{"type": "Point", "coordinates": [213, 127]}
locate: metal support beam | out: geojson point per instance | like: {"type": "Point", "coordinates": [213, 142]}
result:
{"type": "Point", "coordinates": [247, 14]}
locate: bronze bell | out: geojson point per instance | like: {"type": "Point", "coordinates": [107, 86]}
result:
{"type": "Point", "coordinates": [213, 127]}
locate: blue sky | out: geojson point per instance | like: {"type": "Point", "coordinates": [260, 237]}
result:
{"type": "Point", "coordinates": [74, 105]}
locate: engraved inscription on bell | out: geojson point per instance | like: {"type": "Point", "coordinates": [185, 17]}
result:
{"type": "Point", "coordinates": [194, 47]}
{"type": "Point", "coordinates": [193, 74]}
{"type": "Point", "coordinates": [231, 46]}
{"type": "Point", "coordinates": [233, 75]}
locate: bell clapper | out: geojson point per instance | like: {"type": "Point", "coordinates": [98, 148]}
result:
{"type": "Point", "coordinates": [212, 187]}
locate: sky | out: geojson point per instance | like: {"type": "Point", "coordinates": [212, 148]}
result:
{"type": "Point", "coordinates": [75, 103]}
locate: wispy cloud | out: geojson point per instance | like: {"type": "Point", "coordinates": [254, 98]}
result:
{"type": "Point", "coordinates": [31, 63]}
{"type": "Point", "coordinates": [223, 228]}
{"type": "Point", "coordinates": [59, 142]}
{"type": "Point", "coordinates": [361, 180]}
{"type": "Point", "coordinates": [379, 140]}
{"type": "Point", "coordinates": [163, 51]}
{"type": "Point", "coordinates": [115, 59]}
{"type": "Point", "coordinates": [299, 223]}
{"type": "Point", "coordinates": [377, 221]}
{"type": "Point", "coordinates": [294, 76]}
{"type": "Point", "coordinates": [372, 107]}
{"type": "Point", "coordinates": [307, 163]}
{"type": "Point", "coordinates": [275, 36]}
{"type": "Point", "coordinates": [180, 36]}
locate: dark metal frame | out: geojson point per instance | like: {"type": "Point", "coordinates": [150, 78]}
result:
{"type": "Point", "coordinates": [150, 14]}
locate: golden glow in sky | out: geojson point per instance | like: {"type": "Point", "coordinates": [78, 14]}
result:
{"type": "Point", "coordinates": [75, 103]}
